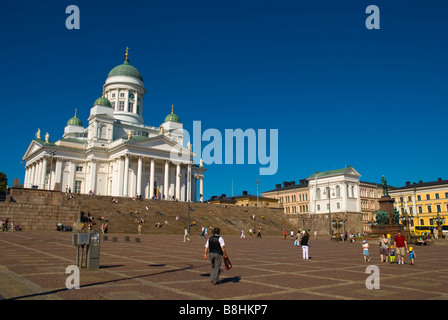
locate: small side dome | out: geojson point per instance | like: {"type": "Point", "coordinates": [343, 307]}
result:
{"type": "Point", "coordinates": [102, 101]}
{"type": "Point", "coordinates": [75, 121]}
{"type": "Point", "coordinates": [172, 116]}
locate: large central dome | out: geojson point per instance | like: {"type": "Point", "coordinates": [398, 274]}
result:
{"type": "Point", "coordinates": [125, 69]}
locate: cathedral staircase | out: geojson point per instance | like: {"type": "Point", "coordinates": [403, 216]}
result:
{"type": "Point", "coordinates": [42, 210]}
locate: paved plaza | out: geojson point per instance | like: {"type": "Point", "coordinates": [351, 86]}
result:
{"type": "Point", "coordinates": [163, 267]}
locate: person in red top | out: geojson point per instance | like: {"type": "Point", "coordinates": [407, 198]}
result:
{"type": "Point", "coordinates": [400, 244]}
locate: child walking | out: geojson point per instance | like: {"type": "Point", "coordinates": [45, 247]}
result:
{"type": "Point", "coordinates": [411, 255]}
{"type": "Point", "coordinates": [365, 250]}
{"type": "Point", "coordinates": [392, 254]}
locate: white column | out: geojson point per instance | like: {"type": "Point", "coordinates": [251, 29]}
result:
{"type": "Point", "coordinates": [151, 180]}
{"type": "Point", "coordinates": [166, 181]}
{"type": "Point", "coordinates": [126, 176]}
{"type": "Point", "coordinates": [43, 172]}
{"type": "Point", "coordinates": [201, 189]}
{"type": "Point", "coordinates": [58, 172]}
{"type": "Point", "coordinates": [33, 174]}
{"type": "Point", "coordinates": [139, 176]}
{"type": "Point", "coordinates": [189, 182]}
{"type": "Point", "coordinates": [178, 182]}
{"type": "Point", "coordinates": [37, 179]}
{"type": "Point", "coordinates": [92, 176]}
{"type": "Point", "coordinates": [71, 179]}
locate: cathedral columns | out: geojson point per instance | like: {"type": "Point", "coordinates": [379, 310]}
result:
{"type": "Point", "coordinates": [151, 179]}
{"type": "Point", "coordinates": [166, 181]}
{"type": "Point", "coordinates": [43, 173]}
{"type": "Point", "coordinates": [126, 176]}
{"type": "Point", "coordinates": [201, 189]}
{"type": "Point", "coordinates": [178, 182]}
{"type": "Point", "coordinates": [139, 176]}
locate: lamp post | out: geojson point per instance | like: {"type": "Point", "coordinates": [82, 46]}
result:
{"type": "Point", "coordinates": [405, 220]}
{"type": "Point", "coordinates": [439, 221]}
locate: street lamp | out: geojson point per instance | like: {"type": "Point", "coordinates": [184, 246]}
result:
{"type": "Point", "coordinates": [439, 221]}
{"type": "Point", "coordinates": [405, 219]}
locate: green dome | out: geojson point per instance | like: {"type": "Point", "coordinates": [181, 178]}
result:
{"type": "Point", "coordinates": [102, 101]}
{"type": "Point", "coordinates": [75, 121]}
{"type": "Point", "coordinates": [125, 69]}
{"type": "Point", "coordinates": [172, 116]}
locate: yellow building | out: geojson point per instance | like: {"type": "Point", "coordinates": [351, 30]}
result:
{"type": "Point", "coordinates": [245, 200]}
{"type": "Point", "coordinates": [425, 203]}
{"type": "Point", "coordinates": [292, 197]}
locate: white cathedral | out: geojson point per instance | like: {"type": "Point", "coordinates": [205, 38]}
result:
{"type": "Point", "coordinates": [117, 154]}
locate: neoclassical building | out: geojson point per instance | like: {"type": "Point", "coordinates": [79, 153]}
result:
{"type": "Point", "coordinates": [116, 154]}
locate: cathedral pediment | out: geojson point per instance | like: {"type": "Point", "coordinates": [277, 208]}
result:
{"type": "Point", "coordinates": [32, 148]}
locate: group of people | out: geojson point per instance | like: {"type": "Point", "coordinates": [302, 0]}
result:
{"type": "Point", "coordinates": [4, 226]}
{"type": "Point", "coordinates": [389, 250]}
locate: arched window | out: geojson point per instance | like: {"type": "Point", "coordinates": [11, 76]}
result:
{"type": "Point", "coordinates": [327, 190]}
{"type": "Point", "coordinates": [318, 194]}
{"type": "Point", "coordinates": [338, 192]}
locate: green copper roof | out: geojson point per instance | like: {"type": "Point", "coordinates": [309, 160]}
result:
{"type": "Point", "coordinates": [75, 121]}
{"type": "Point", "coordinates": [172, 116]}
{"type": "Point", "coordinates": [102, 101]}
{"type": "Point", "coordinates": [125, 69]}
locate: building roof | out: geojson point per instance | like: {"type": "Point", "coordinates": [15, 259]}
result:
{"type": "Point", "coordinates": [421, 184]}
{"type": "Point", "coordinates": [289, 186]}
{"type": "Point", "coordinates": [223, 198]}
{"type": "Point", "coordinates": [348, 169]}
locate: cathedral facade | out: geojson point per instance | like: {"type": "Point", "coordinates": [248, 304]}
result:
{"type": "Point", "coordinates": [116, 154]}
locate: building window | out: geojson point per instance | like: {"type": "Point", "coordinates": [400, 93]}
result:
{"type": "Point", "coordinates": [318, 194]}
{"type": "Point", "coordinates": [121, 106]}
{"type": "Point", "coordinates": [338, 205]}
{"type": "Point", "coordinates": [419, 198]}
{"type": "Point", "coordinates": [429, 209]}
{"type": "Point", "coordinates": [420, 209]}
{"type": "Point", "coordinates": [78, 169]}
{"type": "Point", "coordinates": [318, 207]}
{"type": "Point", "coordinates": [130, 107]}
{"type": "Point", "coordinates": [122, 95]}
{"type": "Point", "coordinates": [338, 192]}
{"type": "Point", "coordinates": [113, 95]}
{"type": "Point", "coordinates": [409, 199]}
{"type": "Point", "coordinates": [439, 209]}
{"type": "Point", "coordinates": [428, 197]}
{"type": "Point", "coordinates": [112, 103]}
{"type": "Point", "coordinates": [78, 186]}
{"type": "Point", "coordinates": [437, 196]}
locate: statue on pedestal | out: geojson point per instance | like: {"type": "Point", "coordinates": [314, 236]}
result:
{"type": "Point", "coordinates": [384, 182]}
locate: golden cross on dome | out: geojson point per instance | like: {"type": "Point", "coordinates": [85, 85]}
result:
{"type": "Point", "coordinates": [127, 54]}
{"type": "Point", "coordinates": [172, 108]}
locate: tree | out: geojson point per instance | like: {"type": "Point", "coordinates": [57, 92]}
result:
{"type": "Point", "coordinates": [3, 181]}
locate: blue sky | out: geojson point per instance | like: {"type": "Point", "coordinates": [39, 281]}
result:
{"type": "Point", "coordinates": [338, 94]}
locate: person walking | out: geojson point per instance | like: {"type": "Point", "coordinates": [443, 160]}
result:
{"type": "Point", "coordinates": [400, 245]}
{"type": "Point", "coordinates": [384, 248]}
{"type": "Point", "coordinates": [243, 236]}
{"type": "Point", "coordinates": [365, 250]}
{"type": "Point", "coordinates": [216, 248]}
{"type": "Point", "coordinates": [186, 233]}
{"type": "Point", "coordinates": [304, 243]}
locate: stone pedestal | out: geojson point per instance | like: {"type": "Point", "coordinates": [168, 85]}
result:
{"type": "Point", "coordinates": [387, 204]}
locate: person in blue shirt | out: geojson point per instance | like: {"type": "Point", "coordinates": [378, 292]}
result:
{"type": "Point", "coordinates": [411, 255]}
